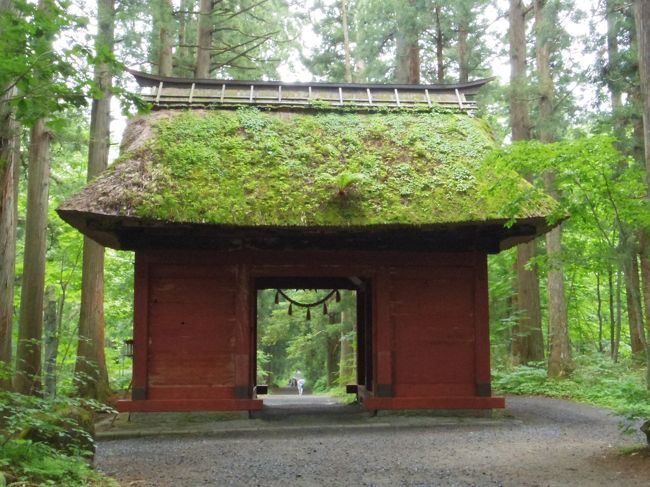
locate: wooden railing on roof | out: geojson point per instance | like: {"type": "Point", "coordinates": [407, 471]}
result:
{"type": "Point", "coordinates": [166, 93]}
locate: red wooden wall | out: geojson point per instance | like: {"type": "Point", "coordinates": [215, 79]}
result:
{"type": "Point", "coordinates": [195, 339]}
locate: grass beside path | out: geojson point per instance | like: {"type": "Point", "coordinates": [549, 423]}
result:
{"type": "Point", "coordinates": [595, 380]}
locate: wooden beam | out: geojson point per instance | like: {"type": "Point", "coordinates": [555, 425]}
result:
{"type": "Point", "coordinates": [140, 327]}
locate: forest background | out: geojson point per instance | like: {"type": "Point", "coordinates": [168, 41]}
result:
{"type": "Point", "coordinates": [569, 313]}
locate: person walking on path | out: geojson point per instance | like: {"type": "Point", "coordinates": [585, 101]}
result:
{"type": "Point", "coordinates": [301, 386]}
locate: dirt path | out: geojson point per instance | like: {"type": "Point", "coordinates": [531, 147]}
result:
{"type": "Point", "coordinates": [546, 443]}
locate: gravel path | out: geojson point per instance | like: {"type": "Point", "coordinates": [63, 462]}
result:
{"type": "Point", "coordinates": [548, 443]}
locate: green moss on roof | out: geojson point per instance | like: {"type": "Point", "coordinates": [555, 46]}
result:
{"type": "Point", "coordinates": [249, 167]}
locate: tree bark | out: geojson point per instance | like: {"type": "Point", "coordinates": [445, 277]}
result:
{"type": "Point", "coordinates": [633, 301]}
{"type": "Point", "coordinates": [90, 368]}
{"type": "Point", "coordinates": [440, 59]}
{"type": "Point", "coordinates": [346, 41]}
{"type": "Point", "coordinates": [619, 309]}
{"type": "Point", "coordinates": [612, 56]}
{"type": "Point", "coordinates": [645, 279]}
{"type": "Point", "coordinates": [599, 311]}
{"type": "Point", "coordinates": [627, 250]}
{"type": "Point", "coordinates": [9, 167]}
{"type": "Point", "coordinates": [203, 57]}
{"type": "Point", "coordinates": [612, 313]}
{"type": "Point", "coordinates": [408, 49]}
{"type": "Point", "coordinates": [165, 46]}
{"type": "Point", "coordinates": [642, 22]}
{"type": "Point", "coordinates": [528, 339]}
{"type": "Point", "coordinates": [519, 118]}
{"type": "Point", "coordinates": [559, 363]}
{"type": "Point", "coordinates": [30, 328]}
{"type": "Point", "coordinates": [51, 341]}
{"type": "Point", "coordinates": [463, 57]}
{"type": "Point", "coordinates": [184, 57]}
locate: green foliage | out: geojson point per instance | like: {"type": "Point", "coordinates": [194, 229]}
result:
{"type": "Point", "coordinates": [596, 380]}
{"type": "Point", "coordinates": [255, 168]}
{"type": "Point", "coordinates": [49, 80]}
{"type": "Point", "coordinates": [26, 463]}
{"type": "Point", "coordinates": [47, 441]}
{"type": "Point", "coordinates": [596, 181]}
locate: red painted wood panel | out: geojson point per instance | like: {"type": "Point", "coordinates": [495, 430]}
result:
{"type": "Point", "coordinates": [140, 326]}
{"type": "Point", "coordinates": [434, 390]}
{"type": "Point", "coordinates": [481, 306]}
{"type": "Point", "coordinates": [193, 290]}
{"type": "Point", "coordinates": [383, 332]}
{"type": "Point", "coordinates": [174, 321]}
{"type": "Point", "coordinates": [192, 340]}
{"type": "Point", "coordinates": [191, 391]}
{"type": "Point", "coordinates": [433, 321]}
{"type": "Point", "coordinates": [243, 331]}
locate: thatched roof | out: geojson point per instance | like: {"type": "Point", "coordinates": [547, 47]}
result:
{"type": "Point", "coordinates": [328, 170]}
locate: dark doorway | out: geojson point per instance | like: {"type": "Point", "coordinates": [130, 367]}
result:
{"type": "Point", "coordinates": [315, 329]}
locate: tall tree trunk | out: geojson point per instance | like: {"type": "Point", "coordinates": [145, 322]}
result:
{"type": "Point", "coordinates": [30, 330]}
{"type": "Point", "coordinates": [645, 279]}
{"type": "Point", "coordinates": [9, 167]}
{"type": "Point", "coordinates": [184, 53]}
{"type": "Point", "coordinates": [599, 301]}
{"type": "Point", "coordinates": [165, 20]}
{"type": "Point", "coordinates": [619, 309]}
{"type": "Point", "coordinates": [559, 362]}
{"type": "Point", "coordinates": [408, 49]}
{"type": "Point", "coordinates": [612, 55]}
{"type": "Point", "coordinates": [633, 301]}
{"type": "Point", "coordinates": [346, 41]}
{"type": "Point", "coordinates": [519, 118]}
{"type": "Point", "coordinates": [642, 22]}
{"type": "Point", "coordinates": [612, 313]}
{"type": "Point", "coordinates": [527, 336]}
{"type": "Point", "coordinates": [51, 341]}
{"type": "Point", "coordinates": [463, 53]}
{"type": "Point", "coordinates": [440, 44]}
{"type": "Point", "coordinates": [627, 250]}
{"type": "Point", "coordinates": [90, 367]}
{"type": "Point", "coordinates": [203, 57]}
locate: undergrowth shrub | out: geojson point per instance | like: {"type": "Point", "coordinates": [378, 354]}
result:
{"type": "Point", "coordinates": [48, 441]}
{"type": "Point", "coordinates": [596, 380]}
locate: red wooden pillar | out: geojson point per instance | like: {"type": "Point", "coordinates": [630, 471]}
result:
{"type": "Point", "coordinates": [140, 327]}
{"type": "Point", "coordinates": [243, 334]}
{"type": "Point", "coordinates": [383, 331]}
{"type": "Point", "coordinates": [482, 327]}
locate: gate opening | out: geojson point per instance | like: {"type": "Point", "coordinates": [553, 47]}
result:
{"type": "Point", "coordinates": [312, 341]}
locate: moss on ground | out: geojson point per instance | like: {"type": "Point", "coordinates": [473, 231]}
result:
{"type": "Point", "coordinates": [250, 167]}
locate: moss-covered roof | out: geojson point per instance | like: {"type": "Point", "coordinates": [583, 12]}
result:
{"type": "Point", "coordinates": [335, 169]}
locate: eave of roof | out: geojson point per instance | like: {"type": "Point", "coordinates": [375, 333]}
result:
{"type": "Point", "coordinates": [132, 233]}
{"type": "Point", "coordinates": [151, 80]}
